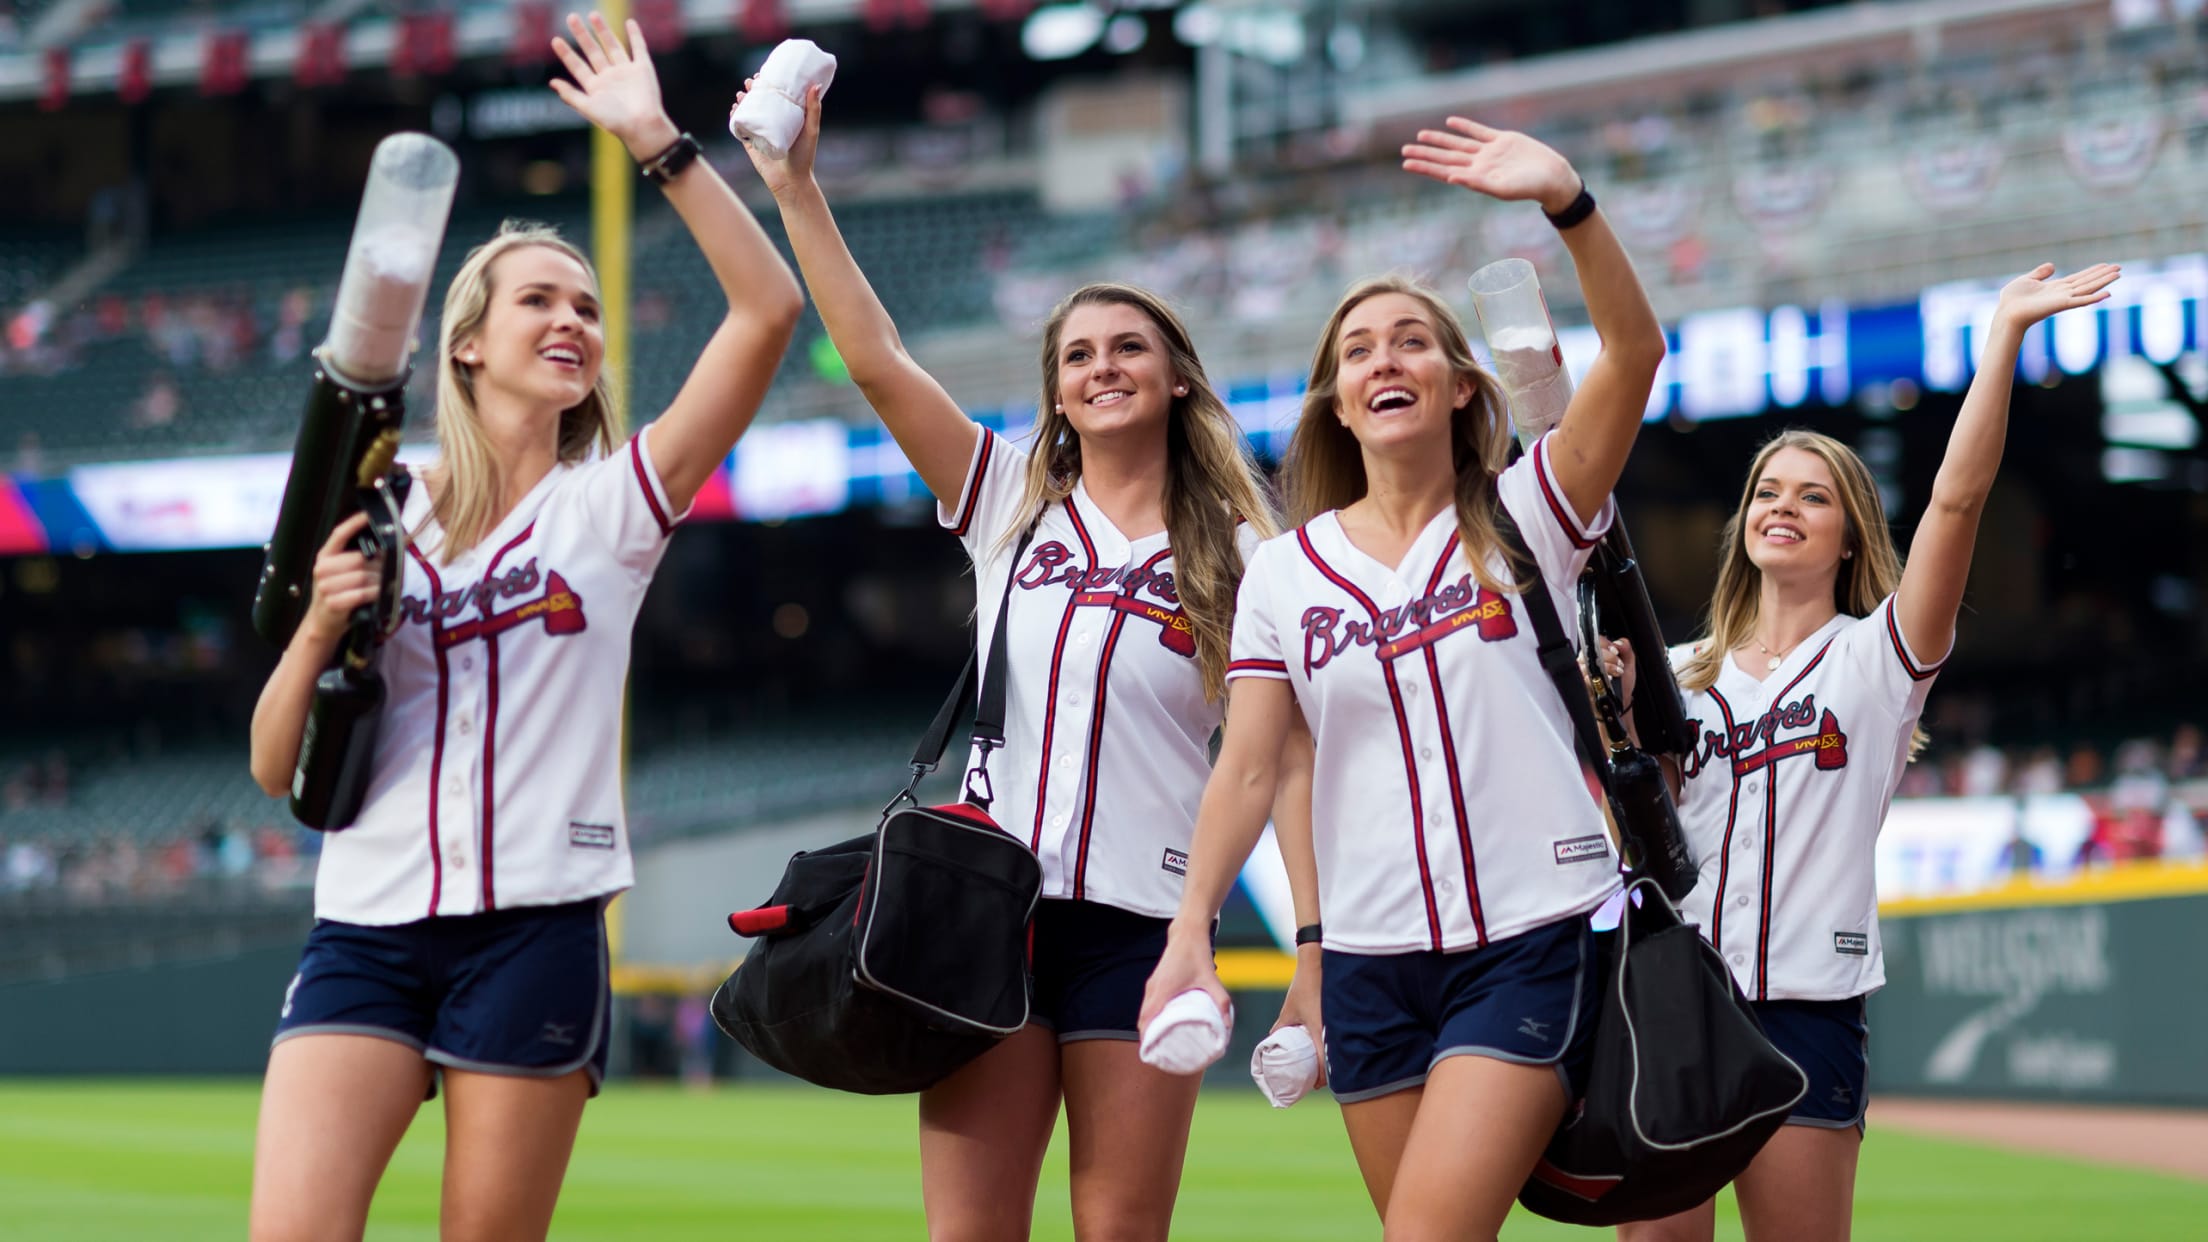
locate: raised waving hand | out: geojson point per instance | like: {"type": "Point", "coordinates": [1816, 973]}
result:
{"type": "Point", "coordinates": [616, 86]}
{"type": "Point", "coordinates": [936, 436]}
{"type": "Point", "coordinates": [1931, 590]}
{"type": "Point", "coordinates": [1589, 447]}
{"type": "Point", "coordinates": [1499, 163]}
{"type": "Point", "coordinates": [617, 89]}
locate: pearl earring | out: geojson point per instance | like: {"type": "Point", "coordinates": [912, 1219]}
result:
{"type": "Point", "coordinates": [1181, 391]}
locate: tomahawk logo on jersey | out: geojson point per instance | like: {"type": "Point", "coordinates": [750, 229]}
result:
{"type": "Point", "coordinates": [497, 768]}
{"type": "Point", "coordinates": [1782, 800]}
{"type": "Point", "coordinates": [1448, 807]}
{"type": "Point", "coordinates": [1107, 732]}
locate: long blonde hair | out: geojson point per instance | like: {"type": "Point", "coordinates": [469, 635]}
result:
{"type": "Point", "coordinates": [1864, 579]}
{"type": "Point", "coordinates": [470, 485]}
{"type": "Point", "coordinates": [1211, 479]}
{"type": "Point", "coordinates": [1325, 466]}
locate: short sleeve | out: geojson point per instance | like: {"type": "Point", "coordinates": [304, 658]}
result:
{"type": "Point", "coordinates": [1247, 541]}
{"type": "Point", "coordinates": [989, 500]}
{"type": "Point", "coordinates": [1559, 541]}
{"type": "Point", "coordinates": [1878, 654]}
{"type": "Point", "coordinates": [628, 505]}
{"type": "Point", "coordinates": [1255, 650]}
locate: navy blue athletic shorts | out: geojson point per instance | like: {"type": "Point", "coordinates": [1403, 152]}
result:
{"type": "Point", "coordinates": [1391, 1018]}
{"type": "Point", "coordinates": [521, 991]}
{"type": "Point", "coordinates": [1091, 963]}
{"type": "Point", "coordinates": [1831, 1041]}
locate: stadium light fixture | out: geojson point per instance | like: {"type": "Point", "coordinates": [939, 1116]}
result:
{"type": "Point", "coordinates": [1126, 33]}
{"type": "Point", "coordinates": [1061, 31]}
{"type": "Point", "coordinates": [1199, 25]}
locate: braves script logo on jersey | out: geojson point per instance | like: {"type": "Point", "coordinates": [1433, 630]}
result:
{"type": "Point", "coordinates": [1420, 623]}
{"type": "Point", "coordinates": [1052, 565]}
{"type": "Point", "coordinates": [1828, 743]}
{"type": "Point", "coordinates": [559, 606]}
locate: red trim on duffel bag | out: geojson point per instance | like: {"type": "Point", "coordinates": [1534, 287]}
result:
{"type": "Point", "coordinates": [1584, 1186]}
{"type": "Point", "coordinates": [759, 922]}
{"type": "Point", "coordinates": [967, 811]}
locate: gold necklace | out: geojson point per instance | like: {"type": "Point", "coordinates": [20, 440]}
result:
{"type": "Point", "coordinates": [1775, 658]}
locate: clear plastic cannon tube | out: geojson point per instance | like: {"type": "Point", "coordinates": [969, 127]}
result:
{"type": "Point", "coordinates": [394, 251]}
{"type": "Point", "coordinates": [1522, 340]}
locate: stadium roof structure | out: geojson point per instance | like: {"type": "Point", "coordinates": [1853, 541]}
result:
{"type": "Point", "coordinates": [1826, 41]}
{"type": "Point", "coordinates": [95, 59]}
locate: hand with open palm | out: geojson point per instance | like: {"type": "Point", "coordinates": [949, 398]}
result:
{"type": "Point", "coordinates": [616, 87]}
{"type": "Point", "coordinates": [2039, 293]}
{"type": "Point", "coordinates": [1499, 163]}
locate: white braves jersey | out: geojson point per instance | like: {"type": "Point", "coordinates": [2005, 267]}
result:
{"type": "Point", "coordinates": [1107, 731]}
{"type": "Point", "coordinates": [1448, 804]}
{"type": "Point", "coordinates": [497, 772]}
{"type": "Point", "coordinates": [1782, 801]}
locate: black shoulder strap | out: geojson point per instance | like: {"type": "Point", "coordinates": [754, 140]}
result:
{"type": "Point", "coordinates": [1557, 655]}
{"type": "Point", "coordinates": [988, 731]}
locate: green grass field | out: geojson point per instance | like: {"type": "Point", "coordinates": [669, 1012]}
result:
{"type": "Point", "coordinates": [139, 1160]}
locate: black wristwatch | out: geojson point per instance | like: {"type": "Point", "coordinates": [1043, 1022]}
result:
{"type": "Point", "coordinates": [1309, 933]}
{"type": "Point", "coordinates": [668, 164]}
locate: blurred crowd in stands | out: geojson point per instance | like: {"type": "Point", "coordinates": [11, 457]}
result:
{"type": "Point", "coordinates": [118, 868]}
{"type": "Point", "coordinates": [2148, 798]}
{"type": "Point", "coordinates": [217, 331]}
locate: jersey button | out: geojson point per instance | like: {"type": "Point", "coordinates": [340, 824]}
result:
{"type": "Point", "coordinates": [466, 726]}
{"type": "Point", "coordinates": [1084, 639]}
{"type": "Point", "coordinates": [1741, 901]}
{"type": "Point", "coordinates": [1426, 752]}
{"type": "Point", "coordinates": [467, 664]}
{"type": "Point", "coordinates": [1065, 761]}
{"type": "Point", "coordinates": [1738, 959]}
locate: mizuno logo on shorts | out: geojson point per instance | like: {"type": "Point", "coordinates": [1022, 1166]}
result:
{"type": "Point", "coordinates": [1581, 849]}
{"type": "Point", "coordinates": [590, 836]}
{"type": "Point", "coordinates": [1175, 862]}
{"type": "Point", "coordinates": [1854, 944]}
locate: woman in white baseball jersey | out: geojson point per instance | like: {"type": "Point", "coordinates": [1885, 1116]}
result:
{"type": "Point", "coordinates": [1143, 502]}
{"type": "Point", "coordinates": [459, 921]}
{"type": "Point", "coordinates": [1806, 691]}
{"type": "Point", "coordinates": [1458, 849]}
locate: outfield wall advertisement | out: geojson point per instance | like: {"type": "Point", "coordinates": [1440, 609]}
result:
{"type": "Point", "coordinates": [2101, 1000]}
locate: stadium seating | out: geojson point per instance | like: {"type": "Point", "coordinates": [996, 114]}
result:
{"type": "Point", "coordinates": [201, 367]}
{"type": "Point", "coordinates": [30, 257]}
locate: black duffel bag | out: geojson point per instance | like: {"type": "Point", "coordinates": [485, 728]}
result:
{"type": "Point", "coordinates": [884, 963]}
{"type": "Point", "coordinates": [1684, 1088]}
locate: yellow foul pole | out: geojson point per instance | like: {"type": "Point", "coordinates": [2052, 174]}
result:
{"type": "Point", "coordinates": [613, 179]}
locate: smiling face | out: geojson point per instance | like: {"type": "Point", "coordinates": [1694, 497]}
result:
{"type": "Point", "coordinates": [1395, 385]}
{"type": "Point", "coordinates": [1114, 372]}
{"type": "Point", "coordinates": [541, 341]}
{"type": "Point", "coordinates": [1795, 523]}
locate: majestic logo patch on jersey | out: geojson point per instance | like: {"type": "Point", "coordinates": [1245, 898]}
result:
{"type": "Point", "coordinates": [1739, 744]}
{"type": "Point", "coordinates": [1582, 849]}
{"type": "Point", "coordinates": [560, 608]}
{"type": "Point", "coordinates": [1853, 944]}
{"type": "Point", "coordinates": [590, 836]}
{"type": "Point", "coordinates": [1409, 627]}
{"type": "Point", "coordinates": [1175, 862]}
